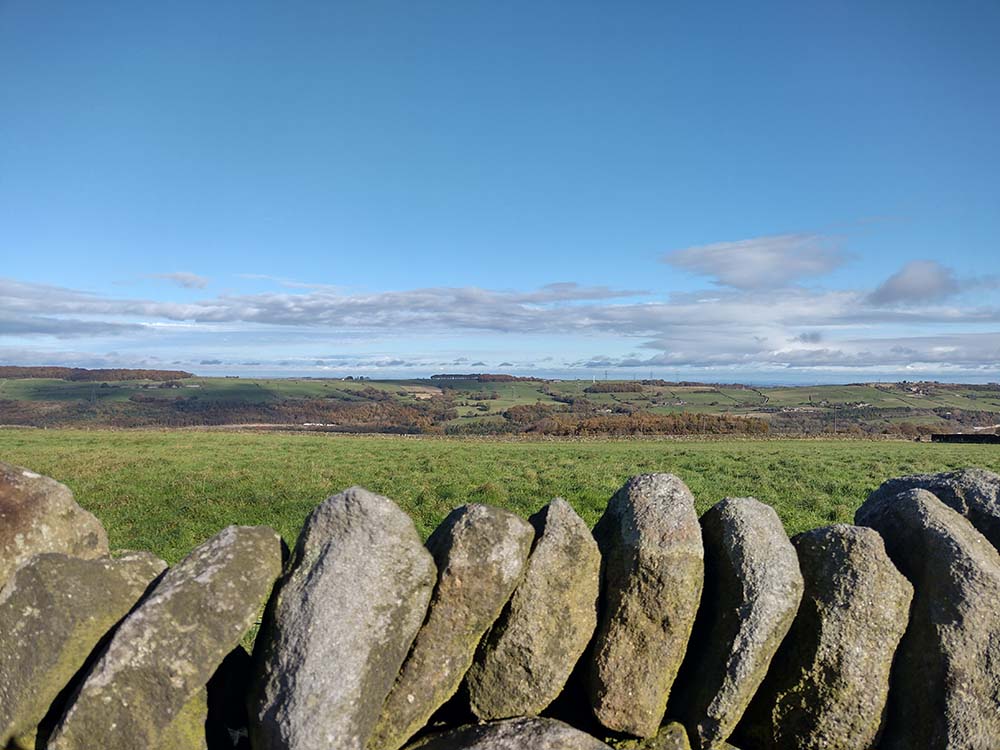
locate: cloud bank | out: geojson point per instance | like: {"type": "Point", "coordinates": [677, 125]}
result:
{"type": "Point", "coordinates": [756, 319]}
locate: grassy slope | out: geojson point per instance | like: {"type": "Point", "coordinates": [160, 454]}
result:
{"type": "Point", "coordinates": [167, 491]}
{"type": "Point", "coordinates": [817, 400]}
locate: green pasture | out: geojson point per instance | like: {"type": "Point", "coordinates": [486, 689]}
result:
{"type": "Point", "coordinates": [508, 394]}
{"type": "Point", "coordinates": [52, 389]}
{"type": "Point", "coordinates": [657, 399]}
{"type": "Point", "coordinates": [168, 490]}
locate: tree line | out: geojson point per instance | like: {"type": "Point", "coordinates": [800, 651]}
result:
{"type": "Point", "coordinates": [81, 374]}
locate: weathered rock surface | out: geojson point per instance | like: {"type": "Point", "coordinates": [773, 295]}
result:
{"type": "Point", "coordinates": [512, 734]}
{"type": "Point", "coordinates": [186, 731]}
{"type": "Point", "coordinates": [524, 662]}
{"type": "Point", "coordinates": [828, 683]}
{"type": "Point", "coordinates": [340, 625]}
{"type": "Point", "coordinates": [53, 612]}
{"type": "Point", "coordinates": [38, 514]}
{"type": "Point", "coordinates": [480, 554]}
{"type": "Point", "coordinates": [975, 493]}
{"type": "Point", "coordinates": [752, 591]}
{"type": "Point", "coordinates": [671, 736]}
{"type": "Point", "coordinates": [652, 576]}
{"type": "Point", "coordinates": [946, 681]}
{"type": "Point", "coordinates": [165, 651]}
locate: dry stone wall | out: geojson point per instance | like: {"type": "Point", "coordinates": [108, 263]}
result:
{"type": "Point", "coordinates": [658, 631]}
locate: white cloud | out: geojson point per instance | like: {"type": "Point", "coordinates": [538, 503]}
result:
{"type": "Point", "coordinates": [785, 327]}
{"type": "Point", "coordinates": [968, 351]}
{"type": "Point", "coordinates": [30, 356]}
{"type": "Point", "coordinates": [919, 281]}
{"type": "Point", "coordinates": [762, 262]}
{"type": "Point", "coordinates": [64, 328]}
{"type": "Point", "coordinates": [439, 307]}
{"type": "Point", "coordinates": [183, 279]}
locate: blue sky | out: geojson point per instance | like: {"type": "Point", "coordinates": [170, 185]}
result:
{"type": "Point", "coordinates": [786, 192]}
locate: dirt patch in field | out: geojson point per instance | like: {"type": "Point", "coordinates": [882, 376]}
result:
{"type": "Point", "coordinates": [422, 392]}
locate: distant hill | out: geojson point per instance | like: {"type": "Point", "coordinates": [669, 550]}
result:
{"type": "Point", "coordinates": [486, 377]}
{"type": "Point", "coordinates": [490, 404]}
{"type": "Point", "coordinates": [80, 374]}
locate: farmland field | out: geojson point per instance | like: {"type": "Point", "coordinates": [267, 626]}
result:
{"type": "Point", "coordinates": [493, 405]}
{"type": "Point", "coordinates": [168, 490]}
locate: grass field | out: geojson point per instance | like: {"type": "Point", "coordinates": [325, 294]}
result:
{"type": "Point", "coordinates": [166, 491]}
{"type": "Point", "coordinates": [893, 401]}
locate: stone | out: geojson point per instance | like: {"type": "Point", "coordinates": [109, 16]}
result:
{"type": "Point", "coordinates": [945, 689]}
{"type": "Point", "coordinates": [828, 683]}
{"type": "Point", "coordinates": [652, 576]}
{"type": "Point", "coordinates": [671, 736]}
{"type": "Point", "coordinates": [166, 650]}
{"type": "Point", "coordinates": [975, 493]}
{"type": "Point", "coordinates": [340, 625]}
{"type": "Point", "coordinates": [38, 514]}
{"type": "Point", "coordinates": [480, 553]}
{"type": "Point", "coordinates": [752, 590]}
{"type": "Point", "coordinates": [53, 612]}
{"type": "Point", "coordinates": [512, 734]}
{"type": "Point", "coordinates": [187, 730]}
{"type": "Point", "coordinates": [528, 655]}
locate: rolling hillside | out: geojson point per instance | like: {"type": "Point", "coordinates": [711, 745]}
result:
{"type": "Point", "coordinates": [497, 405]}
